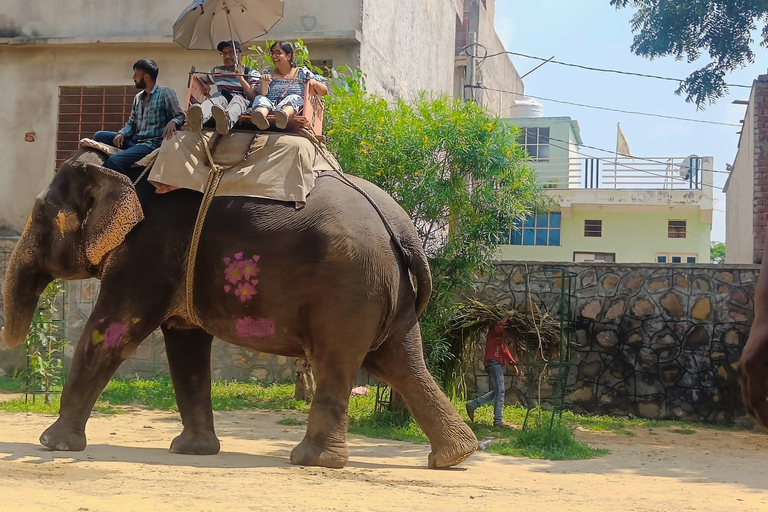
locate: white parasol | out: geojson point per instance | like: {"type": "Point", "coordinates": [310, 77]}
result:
{"type": "Point", "coordinates": [205, 23]}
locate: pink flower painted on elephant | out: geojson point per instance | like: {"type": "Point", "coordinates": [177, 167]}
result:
{"type": "Point", "coordinates": [254, 327]}
{"type": "Point", "coordinates": [248, 268]}
{"type": "Point", "coordinates": [245, 291]}
{"type": "Point", "coordinates": [241, 272]}
{"type": "Point", "coordinates": [233, 273]}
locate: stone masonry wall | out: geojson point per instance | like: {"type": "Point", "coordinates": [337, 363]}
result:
{"type": "Point", "coordinates": [650, 340]}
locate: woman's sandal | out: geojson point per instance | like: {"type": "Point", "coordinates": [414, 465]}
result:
{"type": "Point", "coordinates": [281, 119]}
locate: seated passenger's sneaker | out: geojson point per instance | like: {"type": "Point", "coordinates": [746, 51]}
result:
{"type": "Point", "coordinates": [258, 118]}
{"type": "Point", "coordinates": [281, 119]}
{"type": "Point", "coordinates": [195, 118]}
{"type": "Point", "coordinates": [223, 124]}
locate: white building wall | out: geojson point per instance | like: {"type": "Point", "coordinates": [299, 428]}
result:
{"type": "Point", "coordinates": [739, 194]}
{"type": "Point", "coordinates": [407, 50]}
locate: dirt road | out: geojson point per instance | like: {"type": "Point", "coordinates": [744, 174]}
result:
{"type": "Point", "coordinates": [127, 467]}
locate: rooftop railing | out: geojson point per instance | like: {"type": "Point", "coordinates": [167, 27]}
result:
{"type": "Point", "coordinates": [623, 173]}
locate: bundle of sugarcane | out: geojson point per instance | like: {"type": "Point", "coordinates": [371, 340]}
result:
{"type": "Point", "coordinates": [533, 335]}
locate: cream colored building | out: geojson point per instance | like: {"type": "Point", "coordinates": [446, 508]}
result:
{"type": "Point", "coordinates": [625, 210]}
{"type": "Point", "coordinates": [746, 189]}
{"type": "Point", "coordinates": [68, 66]}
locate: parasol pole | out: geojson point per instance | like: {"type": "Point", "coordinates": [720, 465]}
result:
{"type": "Point", "coordinates": [232, 38]}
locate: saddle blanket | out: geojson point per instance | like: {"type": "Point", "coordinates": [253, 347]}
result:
{"type": "Point", "coordinates": [277, 166]}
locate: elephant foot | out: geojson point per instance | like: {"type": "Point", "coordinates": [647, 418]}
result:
{"type": "Point", "coordinates": [455, 452]}
{"type": "Point", "coordinates": [196, 444]}
{"type": "Point", "coordinates": [306, 454]}
{"type": "Point", "coordinates": [59, 437]}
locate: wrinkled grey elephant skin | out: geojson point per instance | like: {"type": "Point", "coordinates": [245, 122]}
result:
{"type": "Point", "coordinates": [325, 282]}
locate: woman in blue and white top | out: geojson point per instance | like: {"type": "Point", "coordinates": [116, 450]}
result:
{"type": "Point", "coordinates": [281, 89]}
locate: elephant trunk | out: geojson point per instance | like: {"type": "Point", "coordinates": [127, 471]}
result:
{"type": "Point", "coordinates": [24, 283]}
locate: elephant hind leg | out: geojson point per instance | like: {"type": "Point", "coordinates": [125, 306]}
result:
{"type": "Point", "coordinates": [325, 442]}
{"type": "Point", "coordinates": [189, 361]}
{"type": "Point", "coordinates": [400, 363]}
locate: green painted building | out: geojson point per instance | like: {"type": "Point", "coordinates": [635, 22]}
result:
{"type": "Point", "coordinates": [616, 209]}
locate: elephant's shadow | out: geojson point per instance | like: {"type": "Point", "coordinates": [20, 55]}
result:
{"type": "Point", "coordinates": [34, 454]}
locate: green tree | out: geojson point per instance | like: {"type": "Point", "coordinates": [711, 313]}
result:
{"type": "Point", "coordinates": [458, 173]}
{"type": "Point", "coordinates": [685, 28]}
{"type": "Point", "coordinates": [717, 252]}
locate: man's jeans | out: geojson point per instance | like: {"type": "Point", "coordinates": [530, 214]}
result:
{"type": "Point", "coordinates": [123, 161]}
{"type": "Point", "coordinates": [496, 377]}
{"type": "Point", "coordinates": [234, 107]}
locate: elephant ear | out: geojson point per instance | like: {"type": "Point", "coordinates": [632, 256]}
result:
{"type": "Point", "coordinates": [115, 210]}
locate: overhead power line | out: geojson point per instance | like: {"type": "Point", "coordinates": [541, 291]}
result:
{"type": "Point", "coordinates": [579, 66]}
{"type": "Point", "coordinates": [632, 112]}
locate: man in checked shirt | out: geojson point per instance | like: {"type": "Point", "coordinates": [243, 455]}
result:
{"type": "Point", "coordinates": [156, 114]}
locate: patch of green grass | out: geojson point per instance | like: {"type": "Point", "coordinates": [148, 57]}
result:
{"type": "Point", "coordinates": [14, 385]}
{"type": "Point", "coordinates": [365, 421]}
{"type": "Point", "coordinates": [291, 421]}
{"type": "Point", "coordinates": [539, 442]}
{"type": "Point", "coordinates": [37, 407]}
{"type": "Point", "coordinates": [682, 430]}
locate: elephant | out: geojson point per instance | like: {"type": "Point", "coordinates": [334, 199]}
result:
{"type": "Point", "coordinates": [326, 282]}
{"type": "Point", "coordinates": [753, 363]}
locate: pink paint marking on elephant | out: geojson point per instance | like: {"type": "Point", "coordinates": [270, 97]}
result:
{"type": "Point", "coordinates": [115, 334]}
{"type": "Point", "coordinates": [254, 327]}
{"type": "Point", "coordinates": [246, 291]}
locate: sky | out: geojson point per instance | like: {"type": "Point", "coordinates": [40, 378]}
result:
{"type": "Point", "coordinates": [593, 33]}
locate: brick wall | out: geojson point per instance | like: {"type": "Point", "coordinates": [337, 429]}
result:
{"type": "Point", "coordinates": [760, 197]}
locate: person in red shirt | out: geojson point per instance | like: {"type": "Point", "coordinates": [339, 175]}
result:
{"type": "Point", "coordinates": [496, 356]}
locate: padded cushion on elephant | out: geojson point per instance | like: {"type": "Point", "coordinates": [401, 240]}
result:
{"type": "Point", "coordinates": [270, 165]}
{"type": "Point", "coordinates": [104, 148]}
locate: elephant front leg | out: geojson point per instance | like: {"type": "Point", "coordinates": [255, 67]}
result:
{"type": "Point", "coordinates": [189, 360]}
{"type": "Point", "coordinates": [107, 340]}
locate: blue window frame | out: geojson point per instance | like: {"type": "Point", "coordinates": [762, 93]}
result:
{"type": "Point", "coordinates": [541, 229]}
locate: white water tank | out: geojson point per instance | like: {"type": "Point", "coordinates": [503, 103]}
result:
{"type": "Point", "coordinates": [526, 107]}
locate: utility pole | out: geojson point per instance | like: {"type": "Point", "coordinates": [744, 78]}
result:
{"type": "Point", "coordinates": [470, 79]}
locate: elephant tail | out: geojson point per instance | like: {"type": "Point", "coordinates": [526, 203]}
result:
{"type": "Point", "coordinates": [416, 260]}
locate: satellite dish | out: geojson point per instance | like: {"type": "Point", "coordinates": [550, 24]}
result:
{"type": "Point", "coordinates": [690, 165]}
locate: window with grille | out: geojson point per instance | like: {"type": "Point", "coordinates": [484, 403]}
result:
{"type": "Point", "coordinates": [536, 142]}
{"type": "Point", "coordinates": [593, 228]}
{"type": "Point", "coordinates": [675, 258]}
{"type": "Point", "coordinates": [85, 110]}
{"type": "Point", "coordinates": [541, 229]}
{"type": "Point", "coordinates": [676, 229]}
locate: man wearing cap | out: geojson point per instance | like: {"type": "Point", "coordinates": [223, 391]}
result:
{"type": "Point", "coordinates": [235, 89]}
